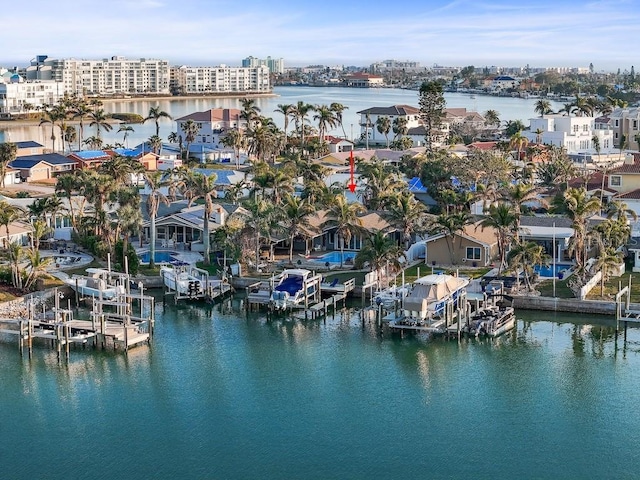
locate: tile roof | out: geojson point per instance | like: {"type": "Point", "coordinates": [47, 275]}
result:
{"type": "Point", "coordinates": [626, 168]}
{"type": "Point", "coordinates": [632, 195]}
{"type": "Point", "coordinates": [396, 110]}
{"type": "Point", "coordinates": [483, 145]}
{"type": "Point", "coordinates": [213, 115]}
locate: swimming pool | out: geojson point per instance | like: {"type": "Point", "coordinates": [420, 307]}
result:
{"type": "Point", "coordinates": [334, 257]}
{"type": "Point", "coordinates": [159, 257]}
{"type": "Point", "coordinates": [561, 270]}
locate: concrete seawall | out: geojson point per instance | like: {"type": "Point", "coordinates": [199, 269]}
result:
{"type": "Point", "coordinates": [572, 305]}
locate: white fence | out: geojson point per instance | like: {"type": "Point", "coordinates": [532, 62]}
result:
{"type": "Point", "coordinates": [586, 288]}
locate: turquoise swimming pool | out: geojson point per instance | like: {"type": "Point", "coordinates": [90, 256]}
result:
{"type": "Point", "coordinates": [159, 257]}
{"type": "Point", "coordinates": [334, 257]}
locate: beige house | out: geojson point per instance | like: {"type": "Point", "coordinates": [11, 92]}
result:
{"type": "Point", "coordinates": [473, 247]}
{"type": "Point", "coordinates": [625, 178]}
{"type": "Point", "coordinates": [626, 121]}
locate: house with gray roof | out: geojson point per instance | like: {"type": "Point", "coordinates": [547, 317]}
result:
{"type": "Point", "coordinates": [45, 166]}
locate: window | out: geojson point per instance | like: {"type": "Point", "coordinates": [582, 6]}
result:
{"type": "Point", "coordinates": [615, 181]}
{"type": "Point", "coordinates": [473, 253]}
{"type": "Point", "coordinates": [617, 124]}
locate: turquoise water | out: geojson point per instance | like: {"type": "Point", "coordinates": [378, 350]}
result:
{"type": "Point", "coordinates": [551, 270]}
{"type": "Point", "coordinates": [222, 395]}
{"type": "Point", "coordinates": [334, 257]}
{"type": "Point", "coordinates": [159, 257]}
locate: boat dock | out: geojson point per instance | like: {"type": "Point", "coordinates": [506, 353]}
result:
{"type": "Point", "coordinates": [113, 323]}
{"type": "Point", "coordinates": [202, 288]}
{"type": "Point", "coordinates": [259, 295]}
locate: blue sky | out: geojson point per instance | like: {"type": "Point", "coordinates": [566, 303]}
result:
{"type": "Point", "coordinates": [331, 32]}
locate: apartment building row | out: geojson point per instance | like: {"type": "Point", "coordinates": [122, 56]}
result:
{"type": "Point", "coordinates": [46, 80]}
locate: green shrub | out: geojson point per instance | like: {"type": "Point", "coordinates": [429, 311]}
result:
{"type": "Point", "coordinates": [132, 258]}
{"type": "Point", "coordinates": [127, 117]}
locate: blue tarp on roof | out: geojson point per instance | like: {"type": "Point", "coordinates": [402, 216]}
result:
{"type": "Point", "coordinates": [415, 186]}
{"type": "Point", "coordinates": [90, 154]}
{"type": "Point", "coordinates": [129, 152]}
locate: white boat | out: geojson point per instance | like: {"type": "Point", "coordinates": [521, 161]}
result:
{"type": "Point", "coordinates": [430, 295]}
{"type": "Point", "coordinates": [182, 281]}
{"type": "Point", "coordinates": [98, 282]}
{"type": "Point", "coordinates": [492, 321]}
{"type": "Point", "coordinates": [391, 296]}
{"type": "Point", "coordinates": [293, 286]}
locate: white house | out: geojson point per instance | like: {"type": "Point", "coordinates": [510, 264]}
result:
{"type": "Point", "coordinates": [16, 93]}
{"type": "Point", "coordinates": [574, 134]}
{"type": "Point", "coordinates": [503, 83]}
{"type": "Point", "coordinates": [370, 116]}
{"type": "Point", "coordinates": [212, 124]}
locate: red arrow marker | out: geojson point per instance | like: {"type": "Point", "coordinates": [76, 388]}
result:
{"type": "Point", "coordinates": [352, 182]}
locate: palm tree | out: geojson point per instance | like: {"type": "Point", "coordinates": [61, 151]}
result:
{"type": "Point", "coordinates": [9, 214]}
{"type": "Point", "coordinates": [343, 217]}
{"type": "Point", "coordinates": [80, 111]}
{"type": "Point", "coordinates": [69, 135]}
{"type": "Point", "coordinates": [383, 125]}
{"type": "Point", "coordinates": [492, 118]}
{"type": "Point", "coordinates": [8, 152]}
{"type": "Point", "coordinates": [517, 195]}
{"type": "Point", "coordinates": [326, 119]}
{"type": "Point", "coordinates": [338, 109]}
{"type": "Point", "coordinates": [526, 255]}
{"type": "Point", "coordinates": [95, 143]}
{"type": "Point", "coordinates": [296, 212]}
{"type": "Point", "coordinates": [380, 251]}
{"type": "Point", "coordinates": [285, 109]}
{"type": "Point", "coordinates": [579, 206]}
{"type": "Point", "coordinates": [156, 114]}
{"type": "Point", "coordinates": [99, 120]}
{"type": "Point", "coordinates": [605, 263]}
{"type": "Point", "coordinates": [620, 210]}
{"type": "Point", "coordinates": [155, 181]}
{"type": "Point", "coordinates": [399, 127]}
{"type": "Point", "coordinates": [51, 117]}
{"type": "Point", "coordinates": [258, 220]}
{"type": "Point", "coordinates": [127, 129]}
{"type": "Point", "coordinates": [204, 187]}
{"type": "Point", "coordinates": [235, 139]}
{"type": "Point", "coordinates": [449, 225]}
{"type": "Point", "coordinates": [155, 142]}
{"type": "Point", "coordinates": [407, 215]}
{"type": "Point", "coordinates": [543, 107]}
{"type": "Point", "coordinates": [299, 113]}
{"type": "Point", "coordinates": [519, 142]}
{"type": "Point", "coordinates": [190, 130]}
{"type": "Point", "coordinates": [129, 223]}
{"type": "Point", "coordinates": [502, 219]}
{"type": "Point", "coordinates": [37, 266]}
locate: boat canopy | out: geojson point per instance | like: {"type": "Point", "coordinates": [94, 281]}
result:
{"type": "Point", "coordinates": [431, 289]}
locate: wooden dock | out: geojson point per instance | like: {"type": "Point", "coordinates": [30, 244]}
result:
{"type": "Point", "coordinates": [113, 323]}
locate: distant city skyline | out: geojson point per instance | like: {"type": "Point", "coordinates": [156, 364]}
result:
{"type": "Point", "coordinates": [203, 32]}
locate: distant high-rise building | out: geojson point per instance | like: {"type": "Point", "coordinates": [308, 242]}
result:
{"type": "Point", "coordinates": [275, 65]}
{"type": "Point", "coordinates": [116, 75]}
{"type": "Point", "coordinates": [220, 79]}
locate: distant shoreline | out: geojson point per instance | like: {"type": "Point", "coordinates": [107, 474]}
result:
{"type": "Point", "coordinates": [185, 97]}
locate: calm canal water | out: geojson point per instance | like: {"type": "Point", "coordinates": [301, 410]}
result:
{"type": "Point", "coordinates": [221, 395]}
{"type": "Point", "coordinates": [356, 99]}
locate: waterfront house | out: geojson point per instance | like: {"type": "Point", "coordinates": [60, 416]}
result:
{"type": "Point", "coordinates": [18, 233]}
{"type": "Point", "coordinates": [33, 168]}
{"type": "Point", "coordinates": [212, 124]}
{"type": "Point", "coordinates": [28, 148]}
{"type": "Point", "coordinates": [180, 226]}
{"type": "Point", "coordinates": [574, 134]}
{"type": "Point", "coordinates": [626, 121]}
{"type": "Point", "coordinates": [363, 80]}
{"type": "Point", "coordinates": [369, 118]}
{"type": "Point", "coordinates": [148, 159]}
{"type": "Point", "coordinates": [503, 83]}
{"type": "Point", "coordinates": [473, 247]}
{"type": "Point", "coordinates": [85, 159]}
